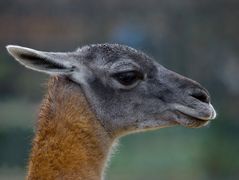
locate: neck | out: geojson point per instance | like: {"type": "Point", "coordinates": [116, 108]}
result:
{"type": "Point", "coordinates": [70, 143]}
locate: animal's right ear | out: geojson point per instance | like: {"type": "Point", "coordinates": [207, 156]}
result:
{"type": "Point", "coordinates": [47, 62]}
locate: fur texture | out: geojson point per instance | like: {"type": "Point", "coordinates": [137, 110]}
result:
{"type": "Point", "coordinates": [70, 143]}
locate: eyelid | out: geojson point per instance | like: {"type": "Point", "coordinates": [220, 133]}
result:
{"type": "Point", "coordinates": [140, 75]}
{"type": "Point", "coordinates": [138, 71]}
{"type": "Point", "coordinates": [125, 62]}
{"type": "Point", "coordinates": [124, 67]}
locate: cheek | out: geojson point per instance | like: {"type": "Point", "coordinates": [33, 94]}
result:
{"type": "Point", "coordinates": [150, 106]}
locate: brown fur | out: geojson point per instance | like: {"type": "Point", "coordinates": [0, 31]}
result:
{"type": "Point", "coordinates": [70, 144]}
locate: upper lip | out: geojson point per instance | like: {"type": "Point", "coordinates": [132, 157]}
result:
{"type": "Point", "coordinates": [208, 113]}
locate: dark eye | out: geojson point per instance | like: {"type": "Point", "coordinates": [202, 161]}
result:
{"type": "Point", "coordinates": [129, 77]}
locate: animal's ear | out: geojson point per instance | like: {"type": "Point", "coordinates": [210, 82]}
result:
{"type": "Point", "coordinates": [47, 62]}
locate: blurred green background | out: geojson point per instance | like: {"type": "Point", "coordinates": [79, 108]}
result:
{"type": "Point", "coordinates": [199, 39]}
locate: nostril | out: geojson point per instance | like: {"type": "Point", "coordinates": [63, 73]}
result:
{"type": "Point", "coordinates": [201, 96]}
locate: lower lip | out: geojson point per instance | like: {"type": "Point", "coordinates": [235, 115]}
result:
{"type": "Point", "coordinates": [199, 123]}
{"type": "Point", "coordinates": [191, 122]}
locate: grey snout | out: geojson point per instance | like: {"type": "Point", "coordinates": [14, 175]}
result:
{"type": "Point", "coordinates": [190, 97]}
{"type": "Point", "coordinates": [189, 88]}
{"type": "Point", "coordinates": [197, 102]}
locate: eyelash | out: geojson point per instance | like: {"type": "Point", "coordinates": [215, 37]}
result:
{"type": "Point", "coordinates": [128, 78]}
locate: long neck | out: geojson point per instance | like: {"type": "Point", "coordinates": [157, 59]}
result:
{"type": "Point", "coordinates": [70, 143]}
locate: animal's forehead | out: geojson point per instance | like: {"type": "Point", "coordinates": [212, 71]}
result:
{"type": "Point", "coordinates": [107, 49]}
{"type": "Point", "coordinates": [105, 53]}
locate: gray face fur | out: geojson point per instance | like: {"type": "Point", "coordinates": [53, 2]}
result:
{"type": "Point", "coordinates": [128, 90]}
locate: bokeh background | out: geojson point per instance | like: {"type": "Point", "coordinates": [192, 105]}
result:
{"type": "Point", "coordinates": [199, 39]}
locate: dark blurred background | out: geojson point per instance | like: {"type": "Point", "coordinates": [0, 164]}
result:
{"type": "Point", "coordinates": [199, 39]}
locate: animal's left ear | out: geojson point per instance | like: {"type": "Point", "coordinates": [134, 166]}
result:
{"type": "Point", "coordinates": [46, 62]}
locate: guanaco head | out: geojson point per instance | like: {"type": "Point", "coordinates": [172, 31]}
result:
{"type": "Point", "coordinates": [127, 90]}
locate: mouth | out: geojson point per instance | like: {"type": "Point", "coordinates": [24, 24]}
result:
{"type": "Point", "coordinates": [193, 118]}
{"type": "Point", "coordinates": [189, 121]}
